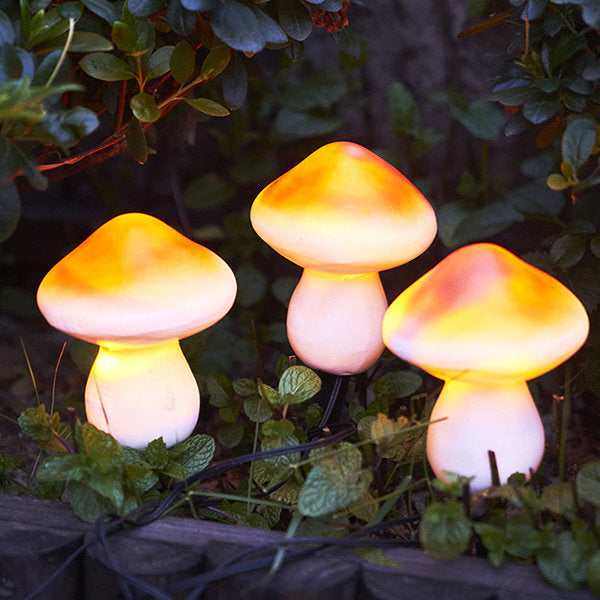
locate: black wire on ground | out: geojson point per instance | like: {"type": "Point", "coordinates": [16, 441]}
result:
{"type": "Point", "coordinates": [147, 513]}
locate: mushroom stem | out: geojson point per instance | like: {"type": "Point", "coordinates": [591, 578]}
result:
{"type": "Point", "coordinates": [334, 321]}
{"type": "Point", "coordinates": [138, 394]}
{"type": "Point", "coordinates": [478, 418]}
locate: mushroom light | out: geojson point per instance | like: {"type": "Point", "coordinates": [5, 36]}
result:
{"type": "Point", "coordinates": [342, 214]}
{"type": "Point", "coordinates": [485, 322]}
{"type": "Point", "coordinates": [135, 287]}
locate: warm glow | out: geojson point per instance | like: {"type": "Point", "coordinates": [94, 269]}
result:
{"type": "Point", "coordinates": [484, 314]}
{"type": "Point", "coordinates": [138, 280]}
{"type": "Point", "coordinates": [479, 418]}
{"type": "Point", "coordinates": [343, 214]}
{"type": "Point", "coordinates": [344, 210]}
{"type": "Point", "coordinates": [140, 394]}
{"type": "Point", "coordinates": [485, 321]}
{"type": "Point", "coordinates": [135, 287]}
{"type": "Point", "coordinates": [334, 321]}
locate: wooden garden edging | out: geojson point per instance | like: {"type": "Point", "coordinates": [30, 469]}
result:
{"type": "Point", "coordinates": [36, 536]}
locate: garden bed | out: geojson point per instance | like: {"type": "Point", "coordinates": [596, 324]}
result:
{"type": "Point", "coordinates": [36, 536]}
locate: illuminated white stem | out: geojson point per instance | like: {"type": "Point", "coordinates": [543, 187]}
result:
{"type": "Point", "coordinates": [502, 418]}
{"type": "Point", "coordinates": [142, 393]}
{"type": "Point", "coordinates": [334, 321]}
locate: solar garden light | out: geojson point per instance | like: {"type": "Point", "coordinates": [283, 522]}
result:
{"type": "Point", "coordinates": [135, 287]}
{"type": "Point", "coordinates": [485, 321]}
{"type": "Point", "coordinates": [342, 214]}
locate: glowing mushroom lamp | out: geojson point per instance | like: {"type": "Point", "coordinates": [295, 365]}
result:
{"type": "Point", "coordinates": [342, 214]}
{"type": "Point", "coordinates": [135, 287]}
{"type": "Point", "coordinates": [485, 322]}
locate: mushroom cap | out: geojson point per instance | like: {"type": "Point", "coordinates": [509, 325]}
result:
{"type": "Point", "coordinates": [136, 281]}
{"type": "Point", "coordinates": [344, 210]}
{"type": "Point", "coordinates": [483, 314]}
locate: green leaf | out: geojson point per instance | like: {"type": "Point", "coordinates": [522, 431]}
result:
{"type": "Point", "coordinates": [335, 481]}
{"type": "Point", "coordinates": [559, 498]}
{"type": "Point", "coordinates": [144, 8]}
{"type": "Point", "coordinates": [69, 126]}
{"type": "Point", "coordinates": [180, 19]}
{"type": "Point", "coordinates": [31, 172]}
{"type": "Point", "coordinates": [557, 182]}
{"type": "Point", "coordinates": [460, 224]}
{"type": "Point", "coordinates": [235, 83]}
{"type": "Point", "coordinates": [198, 4]}
{"type": "Point", "coordinates": [144, 34]}
{"type": "Point", "coordinates": [136, 142]}
{"type": "Point", "coordinates": [159, 62]}
{"type": "Point", "coordinates": [7, 34]}
{"type": "Point", "coordinates": [104, 452]}
{"type": "Point", "coordinates": [156, 453]}
{"type": "Point", "coordinates": [106, 67]}
{"type": "Point", "coordinates": [230, 412]}
{"type": "Point", "coordinates": [588, 483]}
{"type": "Point", "coordinates": [194, 454]}
{"type": "Point", "coordinates": [481, 119]}
{"type": "Point", "coordinates": [349, 42]}
{"type": "Point", "coordinates": [183, 61]}
{"type": "Point", "coordinates": [257, 409]}
{"type": "Point", "coordinates": [313, 415]}
{"type": "Point", "coordinates": [123, 36]}
{"type": "Point", "coordinates": [389, 435]}
{"type": "Point", "coordinates": [104, 9]}
{"type": "Point", "coordinates": [565, 564]}
{"type": "Point", "coordinates": [87, 504]}
{"type": "Point", "coordinates": [403, 110]}
{"type": "Point", "coordinates": [245, 387]}
{"type": "Point", "coordinates": [578, 142]}
{"type": "Point", "coordinates": [44, 429]}
{"type": "Point", "coordinates": [82, 41]}
{"type": "Point", "coordinates": [230, 434]}
{"type": "Point", "coordinates": [218, 58]}
{"type": "Point", "coordinates": [10, 210]}
{"type": "Point", "coordinates": [568, 250]}
{"type": "Point", "coordinates": [593, 573]}
{"type": "Point", "coordinates": [542, 108]}
{"type": "Point", "coordinates": [295, 19]}
{"type": "Point", "coordinates": [271, 30]}
{"type": "Point", "coordinates": [444, 530]}
{"type": "Point", "coordinates": [514, 96]}
{"type": "Point", "coordinates": [399, 384]}
{"type": "Point", "coordinates": [298, 384]}
{"type": "Point", "coordinates": [144, 107]}
{"type": "Point", "coordinates": [270, 395]}
{"type": "Point", "coordinates": [236, 25]}
{"type": "Point", "coordinates": [208, 107]}
{"type": "Point", "coordinates": [595, 245]}
{"type": "Point", "coordinates": [220, 389]}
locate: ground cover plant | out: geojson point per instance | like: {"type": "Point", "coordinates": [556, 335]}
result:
{"type": "Point", "coordinates": [548, 88]}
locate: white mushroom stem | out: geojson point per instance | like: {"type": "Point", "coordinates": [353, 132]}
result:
{"type": "Point", "coordinates": [334, 321]}
{"type": "Point", "coordinates": [138, 394]}
{"type": "Point", "coordinates": [478, 418]}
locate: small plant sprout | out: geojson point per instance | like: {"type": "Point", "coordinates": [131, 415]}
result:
{"type": "Point", "coordinates": [342, 214]}
{"type": "Point", "coordinates": [485, 321]}
{"type": "Point", "coordinates": [135, 287]}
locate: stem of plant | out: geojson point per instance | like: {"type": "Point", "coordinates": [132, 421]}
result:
{"type": "Point", "coordinates": [564, 423]}
{"type": "Point", "coordinates": [63, 53]}
{"type": "Point", "coordinates": [250, 504]}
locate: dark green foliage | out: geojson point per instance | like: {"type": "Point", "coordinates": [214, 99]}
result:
{"type": "Point", "coordinates": [144, 46]}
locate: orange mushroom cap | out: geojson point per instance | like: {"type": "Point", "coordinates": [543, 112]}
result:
{"type": "Point", "coordinates": [344, 209]}
{"type": "Point", "coordinates": [136, 280]}
{"type": "Point", "coordinates": [483, 314]}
